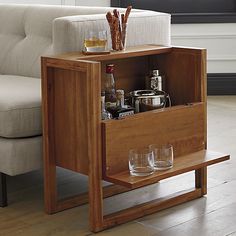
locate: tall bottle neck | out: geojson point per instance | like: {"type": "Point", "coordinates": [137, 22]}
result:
{"type": "Point", "coordinates": [110, 82]}
{"type": "Point", "coordinates": [103, 102]}
{"type": "Point", "coordinates": [110, 77]}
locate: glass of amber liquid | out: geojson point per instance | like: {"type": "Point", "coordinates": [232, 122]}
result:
{"type": "Point", "coordinates": [95, 41]}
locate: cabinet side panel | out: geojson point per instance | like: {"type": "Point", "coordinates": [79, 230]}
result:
{"type": "Point", "coordinates": [184, 74]}
{"type": "Point", "coordinates": [183, 127]}
{"type": "Point", "coordinates": [70, 120]}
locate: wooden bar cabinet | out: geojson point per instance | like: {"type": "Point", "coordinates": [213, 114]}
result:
{"type": "Point", "coordinates": [76, 138]}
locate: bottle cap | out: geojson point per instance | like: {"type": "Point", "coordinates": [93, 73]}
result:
{"type": "Point", "coordinates": [120, 91]}
{"type": "Point", "coordinates": [109, 68]}
{"type": "Point", "coordinates": [155, 72]}
{"type": "Point", "coordinates": [120, 94]}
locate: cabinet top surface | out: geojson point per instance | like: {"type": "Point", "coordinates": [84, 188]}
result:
{"type": "Point", "coordinates": [129, 52]}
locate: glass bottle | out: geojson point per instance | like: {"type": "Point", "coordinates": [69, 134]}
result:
{"type": "Point", "coordinates": [110, 91]}
{"type": "Point", "coordinates": [105, 115]}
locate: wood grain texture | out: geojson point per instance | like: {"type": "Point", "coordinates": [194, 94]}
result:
{"type": "Point", "coordinates": [70, 120]}
{"type": "Point", "coordinates": [135, 51]}
{"type": "Point", "coordinates": [24, 215]}
{"type": "Point", "coordinates": [203, 90]}
{"type": "Point", "coordinates": [150, 207]}
{"type": "Point", "coordinates": [93, 110]}
{"type": "Point", "coordinates": [76, 139]}
{"type": "Point", "coordinates": [49, 159]}
{"type": "Point", "coordinates": [129, 73]}
{"type": "Point", "coordinates": [201, 179]}
{"type": "Point", "coordinates": [66, 99]}
{"type": "Point", "coordinates": [183, 164]}
{"type": "Point", "coordinates": [83, 198]}
{"type": "Point", "coordinates": [182, 126]}
{"type": "Point", "coordinates": [185, 74]}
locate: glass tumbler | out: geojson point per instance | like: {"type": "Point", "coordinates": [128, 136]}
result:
{"type": "Point", "coordinates": [95, 41]}
{"type": "Point", "coordinates": [141, 162]}
{"type": "Point", "coordinates": [163, 156]}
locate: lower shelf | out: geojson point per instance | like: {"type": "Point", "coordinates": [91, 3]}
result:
{"type": "Point", "coordinates": [182, 165]}
{"type": "Point", "coordinates": [151, 207]}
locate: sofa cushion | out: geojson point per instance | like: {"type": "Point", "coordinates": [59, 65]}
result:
{"type": "Point", "coordinates": [20, 106]}
{"type": "Point", "coordinates": [29, 31]}
{"type": "Point", "coordinates": [20, 155]}
{"type": "Point", "coordinates": [26, 33]}
{"type": "Point", "coordinates": [144, 27]}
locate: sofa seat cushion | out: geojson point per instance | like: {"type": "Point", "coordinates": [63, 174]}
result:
{"type": "Point", "coordinates": [20, 106]}
{"type": "Point", "coordinates": [20, 155]}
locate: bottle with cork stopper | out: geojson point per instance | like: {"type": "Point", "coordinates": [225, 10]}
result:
{"type": "Point", "coordinates": [110, 90]}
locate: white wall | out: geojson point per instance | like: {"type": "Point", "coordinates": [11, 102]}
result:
{"type": "Point", "coordinates": [219, 39]}
{"type": "Point", "coordinates": [62, 2]}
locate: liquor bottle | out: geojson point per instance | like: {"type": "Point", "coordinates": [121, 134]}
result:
{"type": "Point", "coordinates": [105, 115]}
{"type": "Point", "coordinates": [120, 110]}
{"type": "Point", "coordinates": [110, 92]}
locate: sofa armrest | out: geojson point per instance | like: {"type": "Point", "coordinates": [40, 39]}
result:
{"type": "Point", "coordinates": [144, 27]}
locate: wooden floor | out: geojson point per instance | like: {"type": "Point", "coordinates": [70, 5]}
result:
{"type": "Point", "coordinates": [213, 215]}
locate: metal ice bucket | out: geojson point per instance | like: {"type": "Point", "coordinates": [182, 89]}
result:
{"type": "Point", "coordinates": [146, 100]}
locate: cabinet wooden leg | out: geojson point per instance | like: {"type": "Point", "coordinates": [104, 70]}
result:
{"type": "Point", "coordinates": [95, 189]}
{"type": "Point", "coordinates": [50, 189]}
{"type": "Point", "coordinates": [95, 204]}
{"type": "Point", "coordinates": [3, 190]}
{"type": "Point", "coordinates": [94, 148]}
{"type": "Point", "coordinates": [201, 179]}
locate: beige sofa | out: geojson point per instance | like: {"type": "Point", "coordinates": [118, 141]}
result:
{"type": "Point", "coordinates": [26, 33]}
